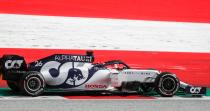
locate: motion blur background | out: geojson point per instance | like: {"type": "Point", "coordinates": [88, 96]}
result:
{"type": "Point", "coordinates": [162, 34]}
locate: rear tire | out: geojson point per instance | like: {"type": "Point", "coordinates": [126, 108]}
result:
{"type": "Point", "coordinates": [167, 84]}
{"type": "Point", "coordinates": [13, 86]}
{"type": "Point", "coordinates": [33, 83]}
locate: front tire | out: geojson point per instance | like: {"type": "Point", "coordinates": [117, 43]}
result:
{"type": "Point", "coordinates": [167, 84]}
{"type": "Point", "coordinates": [33, 83]}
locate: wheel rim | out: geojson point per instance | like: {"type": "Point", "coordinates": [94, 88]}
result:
{"type": "Point", "coordinates": [33, 84]}
{"type": "Point", "coordinates": [168, 84]}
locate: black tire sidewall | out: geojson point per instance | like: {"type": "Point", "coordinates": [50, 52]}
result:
{"type": "Point", "coordinates": [41, 86]}
{"type": "Point", "coordinates": [159, 83]}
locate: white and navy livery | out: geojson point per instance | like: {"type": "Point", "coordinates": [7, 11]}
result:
{"type": "Point", "coordinates": [79, 73]}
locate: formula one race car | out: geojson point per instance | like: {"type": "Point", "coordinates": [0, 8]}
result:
{"type": "Point", "coordinates": [69, 72]}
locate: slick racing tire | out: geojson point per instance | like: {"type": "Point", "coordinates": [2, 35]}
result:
{"type": "Point", "coordinates": [33, 83]}
{"type": "Point", "coordinates": [13, 85]}
{"type": "Point", "coordinates": [167, 84]}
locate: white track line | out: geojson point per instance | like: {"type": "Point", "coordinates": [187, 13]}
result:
{"type": "Point", "coordinates": [29, 31]}
{"type": "Point", "coordinates": [63, 98]}
{"type": "Point", "coordinates": [31, 98]}
{"type": "Point", "coordinates": [184, 98]}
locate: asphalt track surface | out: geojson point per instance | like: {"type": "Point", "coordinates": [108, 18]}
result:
{"type": "Point", "coordinates": [89, 101]}
{"type": "Point", "coordinates": [56, 104]}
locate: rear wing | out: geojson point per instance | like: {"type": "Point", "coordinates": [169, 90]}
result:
{"type": "Point", "coordinates": [12, 67]}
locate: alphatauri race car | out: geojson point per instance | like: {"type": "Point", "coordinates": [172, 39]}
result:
{"type": "Point", "coordinates": [69, 72]}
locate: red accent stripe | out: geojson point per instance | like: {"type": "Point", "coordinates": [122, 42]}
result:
{"type": "Point", "coordinates": [192, 68]}
{"type": "Point", "coordinates": [109, 97]}
{"type": "Point", "coordinates": [2, 83]}
{"type": "Point", "coordinates": [167, 10]}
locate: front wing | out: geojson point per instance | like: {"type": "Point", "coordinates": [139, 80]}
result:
{"type": "Point", "coordinates": [193, 90]}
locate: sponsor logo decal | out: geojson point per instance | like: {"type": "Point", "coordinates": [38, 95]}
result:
{"type": "Point", "coordinates": [70, 74]}
{"type": "Point", "coordinates": [141, 73]}
{"type": "Point", "coordinates": [75, 76]}
{"type": "Point", "coordinates": [9, 64]}
{"type": "Point", "coordinates": [195, 90]}
{"type": "Point", "coordinates": [95, 86]}
{"type": "Point", "coordinates": [73, 58]}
